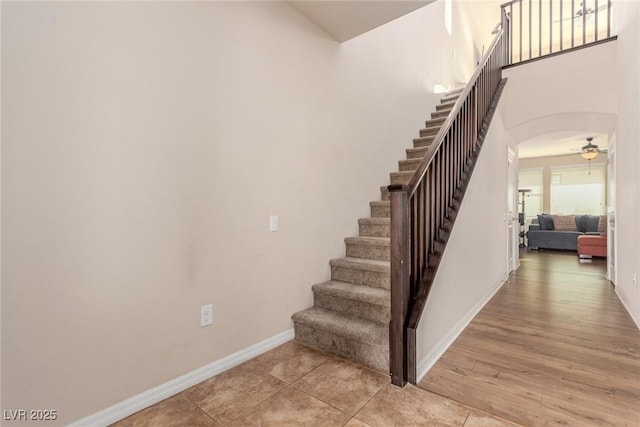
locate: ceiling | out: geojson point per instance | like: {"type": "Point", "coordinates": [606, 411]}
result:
{"type": "Point", "coordinates": [559, 143]}
{"type": "Point", "coordinates": [344, 20]}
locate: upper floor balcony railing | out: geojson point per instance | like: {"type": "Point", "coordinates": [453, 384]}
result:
{"type": "Point", "coordinates": [537, 28]}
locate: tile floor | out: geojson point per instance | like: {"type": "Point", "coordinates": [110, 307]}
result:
{"type": "Point", "coordinates": [293, 385]}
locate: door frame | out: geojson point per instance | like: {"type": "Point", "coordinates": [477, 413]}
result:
{"type": "Point", "coordinates": [611, 184]}
{"type": "Point", "coordinates": [511, 215]}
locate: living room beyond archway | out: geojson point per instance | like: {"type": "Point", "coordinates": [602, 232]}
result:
{"type": "Point", "coordinates": [563, 196]}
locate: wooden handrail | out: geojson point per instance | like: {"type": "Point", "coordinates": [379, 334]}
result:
{"type": "Point", "coordinates": [423, 212]}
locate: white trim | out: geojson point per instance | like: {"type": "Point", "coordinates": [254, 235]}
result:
{"type": "Point", "coordinates": [156, 394]}
{"type": "Point", "coordinates": [636, 321]}
{"type": "Point", "coordinates": [438, 350]}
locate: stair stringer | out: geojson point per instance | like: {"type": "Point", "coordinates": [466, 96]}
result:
{"type": "Point", "coordinates": [417, 305]}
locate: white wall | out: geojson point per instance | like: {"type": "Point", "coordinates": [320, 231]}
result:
{"type": "Point", "coordinates": [570, 92]}
{"type": "Point", "coordinates": [628, 156]}
{"type": "Point", "coordinates": [144, 147]}
{"type": "Point", "coordinates": [475, 19]}
{"type": "Point", "coordinates": [474, 264]}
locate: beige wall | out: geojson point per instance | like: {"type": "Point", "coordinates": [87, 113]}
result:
{"type": "Point", "coordinates": [144, 147]}
{"type": "Point", "coordinates": [628, 156]}
{"type": "Point", "coordinates": [549, 162]}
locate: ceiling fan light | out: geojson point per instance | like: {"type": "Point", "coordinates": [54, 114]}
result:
{"type": "Point", "coordinates": [589, 155]}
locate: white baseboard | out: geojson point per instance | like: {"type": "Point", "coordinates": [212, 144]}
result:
{"type": "Point", "coordinates": [636, 321]}
{"type": "Point", "coordinates": [154, 395]}
{"type": "Point", "coordinates": [438, 350]}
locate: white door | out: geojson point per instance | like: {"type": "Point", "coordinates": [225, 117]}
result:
{"type": "Point", "coordinates": [611, 211]}
{"type": "Point", "coordinates": [511, 216]}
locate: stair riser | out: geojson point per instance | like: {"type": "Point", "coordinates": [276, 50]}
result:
{"type": "Point", "coordinates": [360, 250]}
{"type": "Point", "coordinates": [408, 166]}
{"type": "Point", "coordinates": [374, 230]}
{"type": "Point", "coordinates": [362, 310]}
{"type": "Point", "coordinates": [417, 143]}
{"type": "Point", "coordinates": [437, 122]}
{"type": "Point", "coordinates": [374, 356]}
{"type": "Point", "coordinates": [380, 212]}
{"type": "Point", "coordinates": [429, 131]}
{"type": "Point", "coordinates": [441, 114]}
{"type": "Point", "coordinates": [445, 106]}
{"type": "Point", "coordinates": [401, 178]}
{"type": "Point", "coordinates": [361, 277]}
{"type": "Point", "coordinates": [450, 98]}
{"type": "Point", "coordinates": [384, 193]}
{"type": "Point", "coordinates": [416, 154]}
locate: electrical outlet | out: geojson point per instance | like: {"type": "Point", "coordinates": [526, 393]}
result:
{"type": "Point", "coordinates": [206, 315]}
{"type": "Point", "coordinates": [634, 277]}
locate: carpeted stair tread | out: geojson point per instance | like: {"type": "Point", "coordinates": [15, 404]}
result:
{"type": "Point", "coordinates": [402, 177]}
{"type": "Point", "coordinates": [368, 247]}
{"type": "Point", "coordinates": [361, 264]}
{"type": "Point", "coordinates": [416, 153]}
{"type": "Point", "coordinates": [350, 291]}
{"type": "Point", "coordinates": [350, 327]}
{"type": "Point", "coordinates": [374, 227]}
{"type": "Point", "coordinates": [384, 193]}
{"type": "Point", "coordinates": [446, 105]}
{"type": "Point", "coordinates": [450, 96]}
{"type": "Point", "coordinates": [441, 114]}
{"type": "Point", "coordinates": [380, 209]}
{"type": "Point", "coordinates": [435, 122]}
{"type": "Point", "coordinates": [423, 141]}
{"type": "Point", "coordinates": [373, 241]}
{"type": "Point", "coordinates": [409, 164]}
{"type": "Point", "coordinates": [361, 271]}
{"type": "Point", "coordinates": [376, 221]}
{"type": "Point", "coordinates": [429, 131]}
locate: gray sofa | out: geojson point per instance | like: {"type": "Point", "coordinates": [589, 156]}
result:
{"type": "Point", "coordinates": [567, 240]}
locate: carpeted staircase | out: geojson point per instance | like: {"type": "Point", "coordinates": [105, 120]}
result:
{"type": "Point", "coordinates": [351, 312]}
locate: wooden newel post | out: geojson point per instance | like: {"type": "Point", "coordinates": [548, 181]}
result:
{"type": "Point", "coordinates": [400, 288]}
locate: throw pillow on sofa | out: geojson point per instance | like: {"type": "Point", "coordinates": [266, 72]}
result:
{"type": "Point", "coordinates": [587, 223]}
{"type": "Point", "coordinates": [602, 224]}
{"type": "Point", "coordinates": [546, 222]}
{"type": "Point", "coordinates": [564, 223]}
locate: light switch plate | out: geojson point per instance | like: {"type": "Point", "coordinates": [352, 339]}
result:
{"type": "Point", "coordinates": [273, 223]}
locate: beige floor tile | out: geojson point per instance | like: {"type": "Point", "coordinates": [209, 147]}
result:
{"type": "Point", "coordinates": [410, 406]}
{"type": "Point", "coordinates": [289, 362]}
{"type": "Point", "coordinates": [480, 419]}
{"type": "Point", "coordinates": [174, 411]}
{"type": "Point", "coordinates": [234, 392]}
{"type": "Point", "coordinates": [292, 407]}
{"type": "Point", "coordinates": [342, 384]}
{"type": "Point", "coordinates": [356, 423]}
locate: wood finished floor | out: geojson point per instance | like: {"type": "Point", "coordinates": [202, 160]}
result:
{"type": "Point", "coordinates": [554, 346]}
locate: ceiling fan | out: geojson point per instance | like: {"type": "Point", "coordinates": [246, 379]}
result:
{"type": "Point", "coordinates": [583, 10]}
{"type": "Point", "coordinates": [589, 151]}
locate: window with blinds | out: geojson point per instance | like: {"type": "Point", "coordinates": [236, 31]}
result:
{"type": "Point", "coordinates": [577, 190]}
